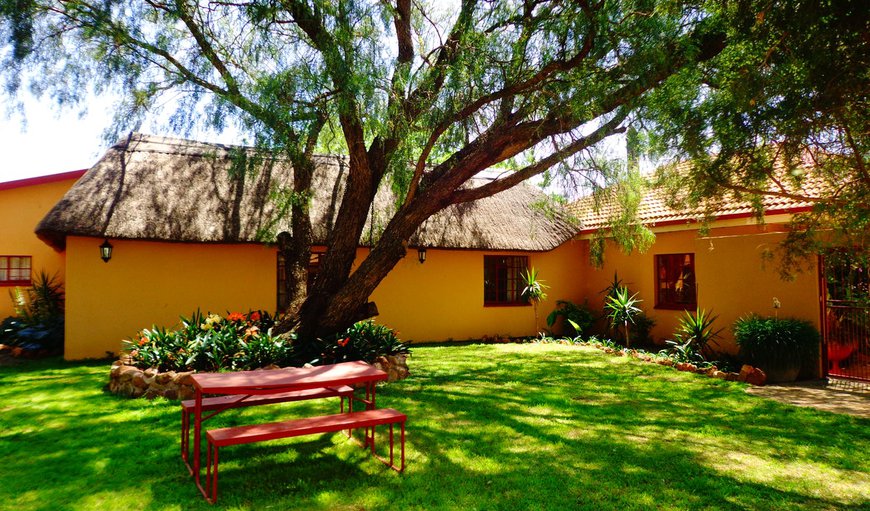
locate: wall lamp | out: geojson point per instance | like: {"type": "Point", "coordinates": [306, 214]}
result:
{"type": "Point", "coordinates": [421, 255]}
{"type": "Point", "coordinates": [106, 251]}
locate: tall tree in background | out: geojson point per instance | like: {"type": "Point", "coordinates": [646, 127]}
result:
{"type": "Point", "coordinates": [784, 113]}
{"type": "Point", "coordinates": [422, 98]}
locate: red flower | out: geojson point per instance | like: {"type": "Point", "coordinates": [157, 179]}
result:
{"type": "Point", "coordinates": [254, 316]}
{"type": "Point", "coordinates": [236, 316]}
{"type": "Point", "coordinates": [143, 341]}
{"type": "Point", "coordinates": [344, 342]}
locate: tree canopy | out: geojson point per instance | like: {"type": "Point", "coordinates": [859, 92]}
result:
{"type": "Point", "coordinates": [422, 96]}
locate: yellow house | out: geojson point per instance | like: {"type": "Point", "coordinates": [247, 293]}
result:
{"type": "Point", "coordinates": [724, 271]}
{"type": "Point", "coordinates": [23, 203]}
{"type": "Point", "coordinates": [186, 220]}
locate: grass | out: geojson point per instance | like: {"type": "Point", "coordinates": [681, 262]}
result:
{"type": "Point", "coordinates": [490, 427]}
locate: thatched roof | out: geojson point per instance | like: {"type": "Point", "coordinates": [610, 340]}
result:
{"type": "Point", "coordinates": [154, 188]}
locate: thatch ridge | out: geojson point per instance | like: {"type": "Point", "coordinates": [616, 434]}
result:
{"type": "Point", "coordinates": [167, 189]}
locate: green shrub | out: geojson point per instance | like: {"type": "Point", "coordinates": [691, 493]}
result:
{"type": "Point", "coordinates": [572, 314]}
{"type": "Point", "coordinates": [772, 343]}
{"type": "Point", "coordinates": [694, 337]}
{"type": "Point", "coordinates": [365, 340]}
{"type": "Point", "coordinates": [39, 320]}
{"type": "Point", "coordinates": [211, 343]}
{"type": "Point", "coordinates": [237, 342]}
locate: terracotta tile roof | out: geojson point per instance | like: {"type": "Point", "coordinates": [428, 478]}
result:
{"type": "Point", "coordinates": [655, 212]}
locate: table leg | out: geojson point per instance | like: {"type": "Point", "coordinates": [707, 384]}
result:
{"type": "Point", "coordinates": [197, 433]}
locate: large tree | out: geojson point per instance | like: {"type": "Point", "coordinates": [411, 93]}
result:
{"type": "Point", "coordinates": [423, 97]}
{"type": "Point", "coordinates": [784, 113]}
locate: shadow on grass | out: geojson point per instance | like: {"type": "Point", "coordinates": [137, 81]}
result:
{"type": "Point", "coordinates": [490, 427]}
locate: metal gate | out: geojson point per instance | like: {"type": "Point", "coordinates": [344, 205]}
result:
{"type": "Point", "coordinates": [846, 325]}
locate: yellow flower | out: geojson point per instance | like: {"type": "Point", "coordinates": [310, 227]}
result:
{"type": "Point", "coordinates": [206, 325]}
{"type": "Point", "coordinates": [214, 319]}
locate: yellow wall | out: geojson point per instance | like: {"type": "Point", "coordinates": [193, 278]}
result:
{"type": "Point", "coordinates": [21, 209]}
{"type": "Point", "coordinates": [148, 283]}
{"type": "Point", "coordinates": [732, 280]}
{"type": "Point", "coordinates": [442, 299]}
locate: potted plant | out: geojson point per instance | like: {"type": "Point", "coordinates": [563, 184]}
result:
{"type": "Point", "coordinates": [778, 346]}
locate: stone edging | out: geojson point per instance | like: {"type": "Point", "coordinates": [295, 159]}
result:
{"type": "Point", "coordinates": [130, 381]}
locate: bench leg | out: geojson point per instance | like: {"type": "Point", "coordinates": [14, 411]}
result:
{"type": "Point", "coordinates": [391, 463]}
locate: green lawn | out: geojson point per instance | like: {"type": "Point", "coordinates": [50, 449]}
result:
{"type": "Point", "coordinates": [490, 427]}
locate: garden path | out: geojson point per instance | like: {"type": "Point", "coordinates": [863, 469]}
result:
{"type": "Point", "coordinates": [838, 396]}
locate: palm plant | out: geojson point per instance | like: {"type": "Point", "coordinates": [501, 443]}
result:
{"type": "Point", "coordinates": [622, 310]}
{"type": "Point", "coordinates": [534, 290]}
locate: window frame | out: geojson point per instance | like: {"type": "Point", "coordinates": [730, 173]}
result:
{"type": "Point", "coordinates": [670, 276]}
{"type": "Point", "coordinates": [519, 301]}
{"type": "Point", "coordinates": [7, 282]}
{"type": "Point", "coordinates": [281, 275]}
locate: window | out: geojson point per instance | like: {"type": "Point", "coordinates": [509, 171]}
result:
{"type": "Point", "coordinates": [313, 268]}
{"type": "Point", "coordinates": [503, 280]}
{"type": "Point", "coordinates": [675, 281]}
{"type": "Point", "coordinates": [14, 270]}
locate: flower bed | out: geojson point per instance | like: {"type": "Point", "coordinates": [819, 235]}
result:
{"type": "Point", "coordinates": [159, 362]}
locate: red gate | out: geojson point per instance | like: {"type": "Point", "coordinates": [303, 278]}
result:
{"type": "Point", "coordinates": [846, 325]}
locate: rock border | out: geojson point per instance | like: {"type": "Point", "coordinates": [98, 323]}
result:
{"type": "Point", "coordinates": [747, 374]}
{"type": "Point", "coordinates": [130, 381]}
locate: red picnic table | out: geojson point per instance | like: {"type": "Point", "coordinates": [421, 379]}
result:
{"type": "Point", "coordinates": [249, 388]}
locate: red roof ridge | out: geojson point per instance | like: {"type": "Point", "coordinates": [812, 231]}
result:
{"type": "Point", "coordinates": [41, 180]}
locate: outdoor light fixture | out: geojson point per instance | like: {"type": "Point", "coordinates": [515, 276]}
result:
{"type": "Point", "coordinates": [421, 255]}
{"type": "Point", "coordinates": [106, 251]}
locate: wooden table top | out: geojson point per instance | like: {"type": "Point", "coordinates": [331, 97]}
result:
{"type": "Point", "coordinates": [291, 378]}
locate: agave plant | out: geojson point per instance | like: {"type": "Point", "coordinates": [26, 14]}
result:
{"type": "Point", "coordinates": [695, 330]}
{"type": "Point", "coordinates": [622, 310]}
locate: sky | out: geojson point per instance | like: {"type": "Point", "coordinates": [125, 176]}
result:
{"type": "Point", "coordinates": [41, 139]}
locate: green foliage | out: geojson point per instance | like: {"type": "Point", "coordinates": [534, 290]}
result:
{"type": "Point", "coordinates": [365, 340]}
{"type": "Point", "coordinates": [236, 342]}
{"type": "Point", "coordinates": [577, 318]}
{"type": "Point", "coordinates": [39, 319]}
{"type": "Point", "coordinates": [785, 106]}
{"type": "Point", "coordinates": [772, 343]}
{"type": "Point", "coordinates": [622, 309]}
{"type": "Point", "coordinates": [695, 332]}
{"type": "Point", "coordinates": [211, 343]}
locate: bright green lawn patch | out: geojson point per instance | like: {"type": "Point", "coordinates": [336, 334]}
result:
{"type": "Point", "coordinates": [490, 427]}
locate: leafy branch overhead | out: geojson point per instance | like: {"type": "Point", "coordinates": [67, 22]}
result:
{"type": "Point", "coordinates": [423, 95]}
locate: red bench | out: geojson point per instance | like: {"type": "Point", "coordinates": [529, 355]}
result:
{"type": "Point", "coordinates": [221, 403]}
{"type": "Point", "coordinates": [223, 437]}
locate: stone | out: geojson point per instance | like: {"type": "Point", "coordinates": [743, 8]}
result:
{"type": "Point", "coordinates": [5, 349]}
{"type": "Point", "coordinates": [732, 377]}
{"type": "Point", "coordinates": [186, 392]}
{"type": "Point", "coordinates": [139, 381]}
{"type": "Point", "coordinates": [745, 371]}
{"type": "Point", "coordinates": [183, 378]}
{"type": "Point", "coordinates": [756, 377]}
{"type": "Point", "coordinates": [719, 374]}
{"type": "Point", "coordinates": [171, 393]}
{"type": "Point", "coordinates": [164, 378]}
{"type": "Point", "coordinates": [270, 367]}
{"type": "Point", "coordinates": [127, 372]}
{"type": "Point", "coordinates": [151, 372]}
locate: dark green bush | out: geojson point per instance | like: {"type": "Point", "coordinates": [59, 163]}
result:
{"type": "Point", "coordinates": [776, 343]}
{"type": "Point", "coordinates": [365, 341]}
{"type": "Point", "coordinates": [39, 320]}
{"type": "Point", "coordinates": [580, 315]}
